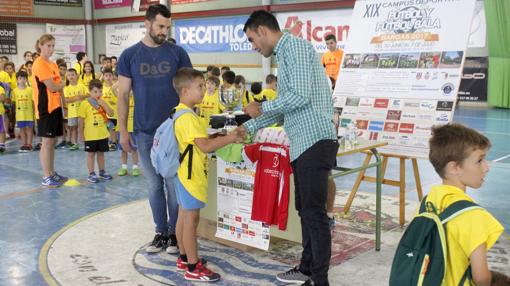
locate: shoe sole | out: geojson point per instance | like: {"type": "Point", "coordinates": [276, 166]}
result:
{"type": "Point", "coordinates": [51, 187]}
{"type": "Point", "coordinates": [153, 250]}
{"type": "Point", "coordinates": [201, 280]}
{"type": "Point", "coordinates": [290, 281]}
{"type": "Point", "coordinates": [172, 250]}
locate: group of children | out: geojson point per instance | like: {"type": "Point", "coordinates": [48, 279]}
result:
{"type": "Point", "coordinates": [90, 111]}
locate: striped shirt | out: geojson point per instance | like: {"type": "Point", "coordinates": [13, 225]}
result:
{"type": "Point", "coordinates": [304, 100]}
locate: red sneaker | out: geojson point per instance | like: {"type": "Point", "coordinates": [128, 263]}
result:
{"type": "Point", "coordinates": [202, 274]}
{"type": "Point", "coordinates": [183, 265]}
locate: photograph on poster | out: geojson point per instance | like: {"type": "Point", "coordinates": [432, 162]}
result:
{"type": "Point", "coordinates": [388, 61]}
{"type": "Point", "coordinates": [408, 60]}
{"type": "Point", "coordinates": [369, 61]}
{"type": "Point", "coordinates": [352, 61]}
{"type": "Point", "coordinates": [429, 60]}
{"type": "Point", "coordinates": [451, 60]}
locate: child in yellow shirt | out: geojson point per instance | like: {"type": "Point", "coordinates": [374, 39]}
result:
{"type": "Point", "coordinates": [3, 96]}
{"type": "Point", "coordinates": [124, 155]}
{"type": "Point", "coordinates": [269, 93]}
{"type": "Point", "coordinates": [94, 130]}
{"type": "Point", "coordinates": [74, 94]}
{"type": "Point", "coordinates": [88, 73]}
{"type": "Point", "coordinates": [22, 98]}
{"type": "Point", "coordinates": [110, 96]}
{"type": "Point", "coordinates": [240, 83]}
{"type": "Point", "coordinates": [211, 103]}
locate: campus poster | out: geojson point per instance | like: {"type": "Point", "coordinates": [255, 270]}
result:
{"type": "Point", "coordinates": [401, 70]}
{"type": "Point", "coordinates": [106, 4]}
{"type": "Point", "coordinates": [235, 199]}
{"type": "Point", "coordinates": [69, 40]}
{"type": "Point", "coordinates": [122, 36]}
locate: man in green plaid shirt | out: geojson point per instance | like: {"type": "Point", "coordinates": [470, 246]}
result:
{"type": "Point", "coordinates": [305, 106]}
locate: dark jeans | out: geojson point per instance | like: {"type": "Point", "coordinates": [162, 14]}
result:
{"type": "Point", "coordinates": [311, 183]}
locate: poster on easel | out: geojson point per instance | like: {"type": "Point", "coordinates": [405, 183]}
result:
{"type": "Point", "coordinates": [122, 36]}
{"type": "Point", "coordinates": [69, 40]}
{"type": "Point", "coordinates": [401, 70]}
{"type": "Point", "coordinates": [235, 199]}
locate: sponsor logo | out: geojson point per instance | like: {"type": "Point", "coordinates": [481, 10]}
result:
{"type": "Point", "coordinates": [473, 76]}
{"type": "Point", "coordinates": [155, 70]}
{"type": "Point", "coordinates": [412, 104]}
{"type": "Point", "coordinates": [348, 112]}
{"type": "Point", "coordinates": [448, 88]}
{"type": "Point", "coordinates": [391, 126]}
{"type": "Point", "coordinates": [396, 103]}
{"type": "Point", "coordinates": [442, 117]}
{"type": "Point", "coordinates": [421, 142]}
{"type": "Point", "coordinates": [422, 129]}
{"type": "Point", "coordinates": [428, 105]}
{"type": "Point", "coordinates": [376, 125]}
{"type": "Point", "coordinates": [352, 101]}
{"type": "Point", "coordinates": [390, 138]}
{"type": "Point", "coordinates": [426, 117]}
{"type": "Point", "coordinates": [404, 139]}
{"type": "Point", "coordinates": [444, 106]}
{"type": "Point", "coordinates": [362, 113]}
{"type": "Point", "coordinates": [379, 114]}
{"type": "Point", "coordinates": [344, 122]}
{"type": "Point", "coordinates": [373, 136]}
{"type": "Point", "coordinates": [381, 103]}
{"type": "Point", "coordinates": [407, 115]}
{"type": "Point", "coordinates": [7, 33]}
{"type": "Point", "coordinates": [366, 102]}
{"type": "Point", "coordinates": [406, 128]}
{"type": "Point", "coordinates": [394, 114]}
{"type": "Point", "coordinates": [362, 124]}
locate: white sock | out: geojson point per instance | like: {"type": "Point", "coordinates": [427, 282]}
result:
{"type": "Point", "coordinates": [135, 166]}
{"type": "Point", "coordinates": [124, 166]}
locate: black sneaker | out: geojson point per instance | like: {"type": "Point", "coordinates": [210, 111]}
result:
{"type": "Point", "coordinates": [61, 145]}
{"type": "Point", "coordinates": [308, 282]}
{"type": "Point", "coordinates": [293, 275]}
{"type": "Point", "coordinates": [172, 247]}
{"type": "Point", "coordinates": [158, 243]}
{"type": "Point", "coordinates": [2, 148]}
{"type": "Point", "coordinates": [37, 146]}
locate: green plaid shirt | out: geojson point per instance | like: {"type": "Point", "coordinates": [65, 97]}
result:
{"type": "Point", "coordinates": [304, 101]}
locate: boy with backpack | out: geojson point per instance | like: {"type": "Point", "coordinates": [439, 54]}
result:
{"type": "Point", "coordinates": [447, 242]}
{"type": "Point", "coordinates": [191, 185]}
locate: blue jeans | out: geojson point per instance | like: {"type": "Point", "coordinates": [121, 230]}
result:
{"type": "Point", "coordinates": [164, 208]}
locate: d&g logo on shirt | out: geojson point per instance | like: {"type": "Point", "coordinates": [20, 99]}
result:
{"type": "Point", "coordinates": [153, 70]}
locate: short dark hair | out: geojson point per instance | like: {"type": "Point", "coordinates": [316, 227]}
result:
{"type": "Point", "coordinates": [107, 59]}
{"type": "Point", "coordinates": [4, 57]}
{"type": "Point", "coordinates": [225, 68]}
{"type": "Point", "coordinates": [59, 61]}
{"type": "Point", "coordinates": [184, 77]}
{"type": "Point", "coordinates": [157, 9]}
{"type": "Point", "coordinates": [29, 63]}
{"type": "Point", "coordinates": [214, 80]}
{"type": "Point", "coordinates": [330, 37]}
{"type": "Point", "coordinates": [256, 87]}
{"type": "Point", "coordinates": [22, 73]}
{"type": "Point", "coordinates": [239, 79]}
{"type": "Point", "coordinates": [216, 71]}
{"type": "Point", "coordinates": [209, 67]}
{"type": "Point", "coordinates": [229, 77]}
{"type": "Point", "coordinates": [270, 78]}
{"type": "Point", "coordinates": [72, 70]}
{"type": "Point", "coordinates": [454, 142]}
{"type": "Point", "coordinates": [95, 83]}
{"type": "Point", "coordinates": [26, 52]}
{"type": "Point", "coordinates": [80, 56]}
{"type": "Point", "coordinates": [107, 70]}
{"type": "Point", "coordinates": [113, 57]}
{"type": "Point", "coordinates": [261, 18]}
{"type": "Point", "coordinates": [63, 65]}
{"type": "Point", "coordinates": [9, 64]}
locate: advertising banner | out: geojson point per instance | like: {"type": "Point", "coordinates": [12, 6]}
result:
{"type": "Point", "coordinates": [122, 36]}
{"type": "Point", "coordinates": [8, 37]}
{"type": "Point", "coordinates": [235, 199]}
{"type": "Point", "coordinates": [69, 39]}
{"type": "Point", "coordinates": [70, 3]}
{"type": "Point", "coordinates": [314, 25]}
{"type": "Point", "coordinates": [105, 4]}
{"type": "Point", "coordinates": [473, 86]}
{"type": "Point", "coordinates": [175, 2]}
{"type": "Point", "coordinates": [212, 35]}
{"type": "Point", "coordinates": [16, 7]}
{"type": "Point", "coordinates": [403, 59]}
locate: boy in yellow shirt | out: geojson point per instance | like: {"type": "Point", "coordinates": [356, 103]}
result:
{"type": "Point", "coordinates": [240, 83]}
{"type": "Point", "coordinates": [269, 93]}
{"type": "Point", "coordinates": [22, 98]}
{"type": "Point", "coordinates": [134, 153]}
{"type": "Point", "coordinates": [191, 191]}
{"type": "Point", "coordinates": [211, 102]}
{"type": "Point", "coordinates": [74, 94]}
{"type": "Point", "coordinates": [3, 96]}
{"type": "Point", "coordinates": [110, 96]}
{"type": "Point", "coordinates": [93, 115]}
{"type": "Point", "coordinates": [458, 156]}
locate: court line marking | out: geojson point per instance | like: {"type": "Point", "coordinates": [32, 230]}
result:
{"type": "Point", "coordinates": [485, 118]}
{"type": "Point", "coordinates": [501, 158]}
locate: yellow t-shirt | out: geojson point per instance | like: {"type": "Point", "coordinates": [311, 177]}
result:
{"type": "Point", "coordinates": [268, 93]}
{"type": "Point", "coordinates": [85, 79]}
{"type": "Point", "coordinates": [111, 99]}
{"type": "Point", "coordinates": [24, 100]}
{"type": "Point", "coordinates": [131, 114]}
{"type": "Point", "coordinates": [247, 98]}
{"type": "Point", "coordinates": [72, 91]}
{"type": "Point", "coordinates": [95, 125]}
{"type": "Point", "coordinates": [464, 233]}
{"type": "Point", "coordinates": [210, 105]}
{"type": "Point", "coordinates": [187, 128]}
{"type": "Point", "coordinates": [13, 81]}
{"type": "Point", "coordinates": [2, 93]}
{"type": "Point", "coordinates": [78, 67]}
{"type": "Point", "coordinates": [4, 77]}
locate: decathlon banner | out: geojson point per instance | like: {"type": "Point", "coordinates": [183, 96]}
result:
{"type": "Point", "coordinates": [212, 35]}
{"type": "Point", "coordinates": [122, 36]}
{"type": "Point", "coordinates": [69, 39]}
{"type": "Point", "coordinates": [315, 25]}
{"type": "Point", "coordinates": [402, 68]}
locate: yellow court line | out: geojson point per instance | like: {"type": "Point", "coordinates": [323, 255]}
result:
{"type": "Point", "coordinates": [43, 255]}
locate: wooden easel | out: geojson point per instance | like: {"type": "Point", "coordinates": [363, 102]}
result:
{"type": "Point", "coordinates": [400, 183]}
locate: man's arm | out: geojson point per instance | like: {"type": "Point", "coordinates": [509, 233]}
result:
{"type": "Point", "coordinates": [124, 85]}
{"type": "Point", "coordinates": [251, 126]}
{"type": "Point", "coordinates": [479, 267]}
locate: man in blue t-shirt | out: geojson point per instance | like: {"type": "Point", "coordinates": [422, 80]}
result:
{"type": "Point", "coordinates": [148, 68]}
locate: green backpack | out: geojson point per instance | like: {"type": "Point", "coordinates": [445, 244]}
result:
{"type": "Point", "coordinates": [420, 258]}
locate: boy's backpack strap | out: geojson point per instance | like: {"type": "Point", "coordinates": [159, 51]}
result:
{"type": "Point", "coordinates": [456, 209]}
{"type": "Point", "coordinates": [189, 149]}
{"type": "Point", "coordinates": [466, 277]}
{"type": "Point", "coordinates": [423, 205]}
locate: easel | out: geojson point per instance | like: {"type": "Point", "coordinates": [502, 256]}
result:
{"type": "Point", "coordinates": [400, 183]}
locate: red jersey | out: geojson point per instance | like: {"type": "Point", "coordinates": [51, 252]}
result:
{"type": "Point", "coordinates": [272, 179]}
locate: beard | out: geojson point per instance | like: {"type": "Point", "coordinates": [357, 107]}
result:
{"type": "Point", "coordinates": [158, 39]}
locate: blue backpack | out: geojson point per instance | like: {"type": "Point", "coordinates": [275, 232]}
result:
{"type": "Point", "coordinates": [165, 156]}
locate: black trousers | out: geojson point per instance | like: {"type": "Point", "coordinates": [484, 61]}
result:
{"type": "Point", "coordinates": [311, 170]}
